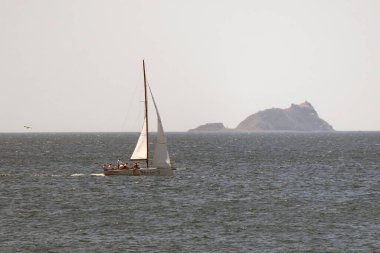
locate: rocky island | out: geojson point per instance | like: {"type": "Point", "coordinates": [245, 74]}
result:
{"type": "Point", "coordinates": [209, 127]}
{"type": "Point", "coordinates": [302, 117]}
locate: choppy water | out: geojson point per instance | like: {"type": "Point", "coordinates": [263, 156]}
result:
{"type": "Point", "coordinates": [284, 192]}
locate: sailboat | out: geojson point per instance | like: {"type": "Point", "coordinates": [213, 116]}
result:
{"type": "Point", "coordinates": [160, 164]}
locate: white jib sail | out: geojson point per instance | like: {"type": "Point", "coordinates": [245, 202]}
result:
{"type": "Point", "coordinates": [161, 155]}
{"type": "Point", "coordinates": [141, 152]}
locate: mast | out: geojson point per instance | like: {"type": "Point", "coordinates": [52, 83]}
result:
{"type": "Point", "coordinates": [146, 118]}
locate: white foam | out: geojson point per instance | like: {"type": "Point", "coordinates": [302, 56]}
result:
{"type": "Point", "coordinates": [97, 174]}
{"type": "Point", "coordinates": [77, 175]}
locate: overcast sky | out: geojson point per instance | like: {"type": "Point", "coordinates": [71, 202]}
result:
{"type": "Point", "coordinates": [77, 65]}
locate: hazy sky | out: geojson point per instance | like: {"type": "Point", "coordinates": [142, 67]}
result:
{"type": "Point", "coordinates": [76, 65]}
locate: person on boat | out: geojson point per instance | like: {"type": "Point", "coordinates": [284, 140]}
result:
{"type": "Point", "coordinates": [125, 166]}
{"type": "Point", "coordinates": [109, 166]}
{"type": "Point", "coordinates": [135, 167]}
{"type": "Point", "coordinates": [119, 163]}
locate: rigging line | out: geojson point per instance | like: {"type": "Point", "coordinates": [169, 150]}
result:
{"type": "Point", "coordinates": [154, 103]}
{"type": "Point", "coordinates": [138, 118]}
{"type": "Point", "coordinates": [125, 121]}
{"type": "Point", "coordinates": [151, 94]}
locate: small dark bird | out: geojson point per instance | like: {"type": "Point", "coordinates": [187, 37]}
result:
{"type": "Point", "coordinates": [28, 127]}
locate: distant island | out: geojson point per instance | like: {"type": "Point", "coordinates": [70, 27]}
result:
{"type": "Point", "coordinates": [302, 117]}
{"type": "Point", "coordinates": [209, 127]}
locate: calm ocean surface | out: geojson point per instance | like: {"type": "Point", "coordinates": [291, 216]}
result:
{"type": "Point", "coordinates": [273, 192]}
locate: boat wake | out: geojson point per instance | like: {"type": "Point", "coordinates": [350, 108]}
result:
{"type": "Point", "coordinates": [97, 174]}
{"type": "Point", "coordinates": [82, 174]}
{"type": "Point", "coordinates": [77, 175]}
{"type": "Point", "coordinates": [56, 175]}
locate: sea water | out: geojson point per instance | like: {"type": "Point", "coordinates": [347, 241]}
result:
{"type": "Point", "coordinates": [232, 192]}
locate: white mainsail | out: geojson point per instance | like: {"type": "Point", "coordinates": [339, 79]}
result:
{"type": "Point", "coordinates": [161, 158]}
{"type": "Point", "coordinates": [141, 152]}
